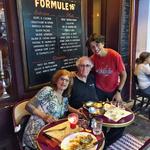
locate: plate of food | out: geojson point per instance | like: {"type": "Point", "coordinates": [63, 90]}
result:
{"type": "Point", "coordinates": [79, 140]}
{"type": "Point", "coordinates": [93, 104]}
{"type": "Point", "coordinates": [98, 104]}
{"type": "Point", "coordinates": [88, 104]}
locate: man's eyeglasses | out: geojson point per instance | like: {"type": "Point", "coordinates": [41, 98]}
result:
{"type": "Point", "coordinates": [84, 66]}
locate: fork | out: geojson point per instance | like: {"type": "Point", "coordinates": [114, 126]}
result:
{"type": "Point", "coordinates": [59, 129]}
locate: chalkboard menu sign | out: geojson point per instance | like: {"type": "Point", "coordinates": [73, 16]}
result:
{"type": "Point", "coordinates": [51, 33]}
{"type": "Point", "coordinates": [124, 30]}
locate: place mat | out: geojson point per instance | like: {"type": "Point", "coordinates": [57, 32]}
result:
{"type": "Point", "coordinates": [46, 142]}
{"type": "Point", "coordinates": [60, 135]}
{"type": "Point", "coordinates": [116, 113]}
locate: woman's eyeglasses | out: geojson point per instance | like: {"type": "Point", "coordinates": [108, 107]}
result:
{"type": "Point", "coordinates": [64, 79]}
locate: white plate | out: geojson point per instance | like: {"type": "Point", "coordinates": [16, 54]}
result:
{"type": "Point", "coordinates": [65, 144]}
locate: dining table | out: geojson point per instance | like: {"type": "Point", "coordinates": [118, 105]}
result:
{"type": "Point", "coordinates": [122, 121]}
{"type": "Point", "coordinates": [60, 132]}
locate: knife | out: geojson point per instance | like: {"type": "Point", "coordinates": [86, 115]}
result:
{"type": "Point", "coordinates": [99, 143]}
{"type": "Point", "coordinates": [100, 140]}
{"type": "Point", "coordinates": [57, 129]}
{"type": "Point", "coordinates": [51, 138]}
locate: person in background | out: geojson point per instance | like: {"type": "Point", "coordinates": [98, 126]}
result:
{"type": "Point", "coordinates": [110, 75]}
{"type": "Point", "coordinates": [142, 71]}
{"type": "Point", "coordinates": [83, 89]}
{"type": "Point", "coordinates": [47, 106]}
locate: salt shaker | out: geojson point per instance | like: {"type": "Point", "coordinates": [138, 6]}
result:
{"type": "Point", "coordinates": [93, 122]}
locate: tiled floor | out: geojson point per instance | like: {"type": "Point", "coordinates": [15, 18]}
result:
{"type": "Point", "coordinates": [140, 128]}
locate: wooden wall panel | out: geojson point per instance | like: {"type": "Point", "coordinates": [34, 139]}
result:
{"type": "Point", "coordinates": [89, 17]}
{"type": "Point", "coordinates": [112, 23]}
{"type": "Point", "coordinates": [103, 16]}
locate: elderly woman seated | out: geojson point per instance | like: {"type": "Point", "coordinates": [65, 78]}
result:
{"type": "Point", "coordinates": [47, 106]}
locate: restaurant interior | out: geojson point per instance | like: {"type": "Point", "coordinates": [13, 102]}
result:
{"type": "Point", "coordinates": [39, 37]}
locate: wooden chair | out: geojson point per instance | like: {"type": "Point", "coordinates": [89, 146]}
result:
{"type": "Point", "coordinates": [141, 97]}
{"type": "Point", "coordinates": [20, 119]}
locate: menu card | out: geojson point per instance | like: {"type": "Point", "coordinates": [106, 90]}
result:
{"type": "Point", "coordinates": [115, 113]}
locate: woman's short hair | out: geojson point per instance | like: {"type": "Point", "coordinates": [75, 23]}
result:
{"type": "Point", "coordinates": [143, 56]}
{"type": "Point", "coordinates": [78, 62]}
{"type": "Point", "coordinates": [57, 75]}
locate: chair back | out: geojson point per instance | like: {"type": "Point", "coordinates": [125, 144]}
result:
{"type": "Point", "coordinates": [136, 81]}
{"type": "Point", "coordinates": [138, 90]}
{"type": "Point", "coordinates": [20, 119]}
{"type": "Point", "coordinates": [141, 97]}
{"type": "Point", "coordinates": [19, 112]}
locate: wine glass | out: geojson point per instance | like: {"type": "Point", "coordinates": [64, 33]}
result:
{"type": "Point", "coordinates": [120, 105]}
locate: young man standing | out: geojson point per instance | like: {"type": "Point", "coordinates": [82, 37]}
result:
{"type": "Point", "coordinates": [110, 75]}
{"type": "Point", "coordinates": [109, 70]}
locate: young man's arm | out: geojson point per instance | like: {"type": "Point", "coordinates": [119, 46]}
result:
{"type": "Point", "coordinates": [117, 96]}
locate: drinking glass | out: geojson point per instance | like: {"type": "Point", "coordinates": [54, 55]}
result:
{"type": "Point", "coordinates": [113, 103]}
{"type": "Point", "coordinates": [83, 123]}
{"type": "Point", "coordinates": [97, 126]}
{"type": "Point", "coordinates": [73, 119]}
{"type": "Point", "coordinates": [121, 105]}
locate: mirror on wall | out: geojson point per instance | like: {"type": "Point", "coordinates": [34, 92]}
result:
{"type": "Point", "coordinates": [2, 21]}
{"type": "Point", "coordinates": [5, 69]}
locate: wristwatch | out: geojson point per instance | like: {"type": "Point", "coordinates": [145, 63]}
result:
{"type": "Point", "coordinates": [118, 90]}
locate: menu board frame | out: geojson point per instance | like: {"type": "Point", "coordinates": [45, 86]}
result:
{"type": "Point", "coordinates": [124, 30]}
{"type": "Point", "coordinates": [29, 83]}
